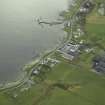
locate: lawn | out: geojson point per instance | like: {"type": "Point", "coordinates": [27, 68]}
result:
{"type": "Point", "coordinates": [90, 92]}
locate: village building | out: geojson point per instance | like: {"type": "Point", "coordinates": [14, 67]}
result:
{"type": "Point", "coordinates": [69, 51]}
{"type": "Point", "coordinates": [49, 61]}
{"type": "Point", "coordinates": [36, 70]}
{"type": "Point", "coordinates": [87, 6]}
{"type": "Point", "coordinates": [67, 23]}
{"type": "Point", "coordinates": [79, 32]}
{"type": "Point", "coordinates": [99, 63]}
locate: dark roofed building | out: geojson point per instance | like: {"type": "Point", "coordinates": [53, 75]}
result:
{"type": "Point", "coordinates": [99, 63]}
{"type": "Point", "coordinates": [86, 7]}
{"type": "Point", "coordinates": [87, 3]}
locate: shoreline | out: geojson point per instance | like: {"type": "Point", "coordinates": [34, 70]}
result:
{"type": "Point", "coordinates": [30, 65]}
{"type": "Point", "coordinates": [35, 62]}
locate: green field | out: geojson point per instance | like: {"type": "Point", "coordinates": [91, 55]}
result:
{"type": "Point", "coordinates": [90, 89]}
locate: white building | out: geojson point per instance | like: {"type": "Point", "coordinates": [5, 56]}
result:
{"type": "Point", "coordinates": [69, 51]}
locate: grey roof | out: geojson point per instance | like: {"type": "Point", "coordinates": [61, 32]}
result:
{"type": "Point", "coordinates": [99, 63]}
{"type": "Point", "coordinates": [70, 50]}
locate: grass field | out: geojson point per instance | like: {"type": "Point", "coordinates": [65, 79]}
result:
{"type": "Point", "coordinates": [91, 89]}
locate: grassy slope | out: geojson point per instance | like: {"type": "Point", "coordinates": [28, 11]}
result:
{"type": "Point", "coordinates": [92, 86]}
{"type": "Point", "coordinates": [91, 91]}
{"type": "Point", "coordinates": [95, 27]}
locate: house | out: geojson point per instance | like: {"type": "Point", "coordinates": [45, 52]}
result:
{"type": "Point", "coordinates": [83, 10]}
{"type": "Point", "coordinates": [67, 23]}
{"type": "Point", "coordinates": [49, 61]}
{"type": "Point", "coordinates": [87, 6]}
{"type": "Point", "coordinates": [99, 63]}
{"type": "Point", "coordinates": [79, 32]}
{"type": "Point", "coordinates": [36, 71]}
{"type": "Point", "coordinates": [69, 51]}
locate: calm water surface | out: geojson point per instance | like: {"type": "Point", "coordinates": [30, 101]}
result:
{"type": "Point", "coordinates": [21, 37]}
